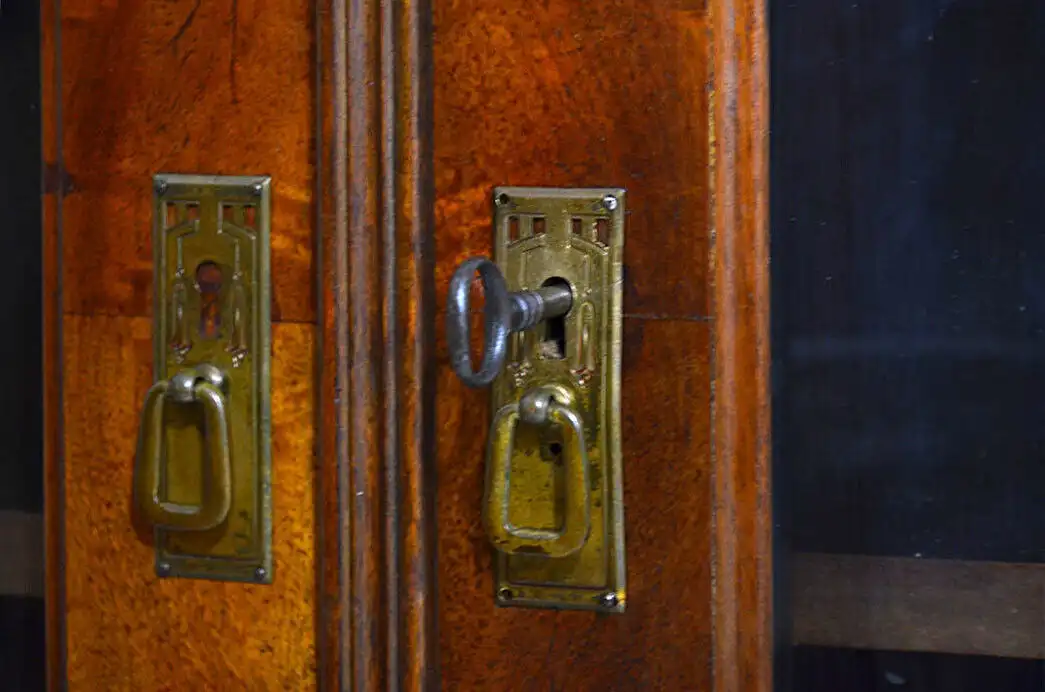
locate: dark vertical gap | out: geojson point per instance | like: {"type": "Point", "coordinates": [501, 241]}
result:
{"type": "Point", "coordinates": [781, 23]}
{"type": "Point", "coordinates": [22, 617]}
{"type": "Point", "coordinates": [554, 337]}
{"type": "Point", "coordinates": [56, 674]}
{"type": "Point", "coordinates": [321, 627]}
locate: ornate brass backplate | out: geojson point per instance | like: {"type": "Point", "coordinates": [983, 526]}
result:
{"type": "Point", "coordinates": [547, 236]}
{"type": "Point", "coordinates": [211, 329]}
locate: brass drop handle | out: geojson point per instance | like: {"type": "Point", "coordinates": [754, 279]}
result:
{"type": "Point", "coordinates": [553, 506]}
{"type": "Point", "coordinates": [547, 405]}
{"type": "Point", "coordinates": [503, 314]}
{"type": "Point", "coordinates": [203, 386]}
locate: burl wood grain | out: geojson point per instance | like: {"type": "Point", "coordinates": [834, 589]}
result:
{"type": "Point", "coordinates": [185, 86]}
{"type": "Point", "coordinates": [583, 94]}
{"type": "Point", "coordinates": [128, 629]}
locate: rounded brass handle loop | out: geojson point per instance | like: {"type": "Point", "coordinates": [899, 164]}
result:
{"type": "Point", "coordinates": [200, 386]}
{"type": "Point", "coordinates": [538, 407]}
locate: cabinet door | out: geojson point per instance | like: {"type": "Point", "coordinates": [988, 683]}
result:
{"type": "Point", "coordinates": [133, 89]}
{"type": "Point", "coordinates": [666, 100]}
{"type": "Point", "coordinates": [385, 126]}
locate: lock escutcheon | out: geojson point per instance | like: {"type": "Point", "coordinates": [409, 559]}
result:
{"type": "Point", "coordinates": [552, 319]}
{"type": "Point", "coordinates": [203, 471]}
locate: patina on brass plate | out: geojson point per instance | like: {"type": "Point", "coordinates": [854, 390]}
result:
{"type": "Point", "coordinates": [211, 287]}
{"type": "Point", "coordinates": [574, 236]}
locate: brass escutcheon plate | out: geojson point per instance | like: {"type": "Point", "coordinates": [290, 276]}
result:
{"type": "Point", "coordinates": [574, 235]}
{"type": "Point", "coordinates": [212, 293]}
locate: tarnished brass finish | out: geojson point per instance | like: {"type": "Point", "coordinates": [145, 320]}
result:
{"type": "Point", "coordinates": [187, 387]}
{"type": "Point", "coordinates": [546, 237]}
{"type": "Point", "coordinates": [543, 406]}
{"type": "Point", "coordinates": [202, 477]}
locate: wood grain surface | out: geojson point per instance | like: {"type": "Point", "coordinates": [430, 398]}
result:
{"type": "Point", "coordinates": [584, 95]}
{"type": "Point", "coordinates": [663, 642]}
{"type": "Point", "coordinates": [411, 275]}
{"type": "Point", "coordinates": [127, 628]}
{"type": "Point", "coordinates": [331, 343]}
{"type": "Point", "coordinates": [743, 526]}
{"type": "Point", "coordinates": [378, 313]}
{"type": "Point", "coordinates": [911, 604]}
{"type": "Point", "coordinates": [580, 94]}
{"type": "Point", "coordinates": [180, 87]}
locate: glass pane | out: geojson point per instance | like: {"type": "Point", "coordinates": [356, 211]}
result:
{"type": "Point", "coordinates": [908, 241]}
{"type": "Point", "coordinates": [22, 614]}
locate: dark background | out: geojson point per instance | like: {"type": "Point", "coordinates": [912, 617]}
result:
{"type": "Point", "coordinates": [908, 262]}
{"type": "Point", "coordinates": [21, 394]}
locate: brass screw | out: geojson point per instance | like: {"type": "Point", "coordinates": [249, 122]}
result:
{"type": "Point", "coordinates": [161, 186]}
{"type": "Point", "coordinates": [258, 187]}
{"type": "Point", "coordinates": [608, 600]}
{"type": "Point", "coordinates": [260, 573]}
{"type": "Point", "coordinates": [164, 568]}
{"type": "Point", "coordinates": [505, 594]}
{"type": "Point", "coordinates": [610, 202]}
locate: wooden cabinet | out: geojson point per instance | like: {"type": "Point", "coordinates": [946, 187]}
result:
{"type": "Point", "coordinates": [385, 127]}
{"type": "Point", "coordinates": [887, 534]}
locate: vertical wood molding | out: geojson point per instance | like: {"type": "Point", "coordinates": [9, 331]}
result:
{"type": "Point", "coordinates": [379, 329]}
{"type": "Point", "coordinates": [414, 256]}
{"type": "Point", "coordinates": [331, 372]}
{"type": "Point", "coordinates": [742, 535]}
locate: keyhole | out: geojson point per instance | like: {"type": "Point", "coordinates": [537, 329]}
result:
{"type": "Point", "coordinates": [551, 451]}
{"type": "Point", "coordinates": [554, 341]}
{"type": "Point", "coordinates": [208, 283]}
